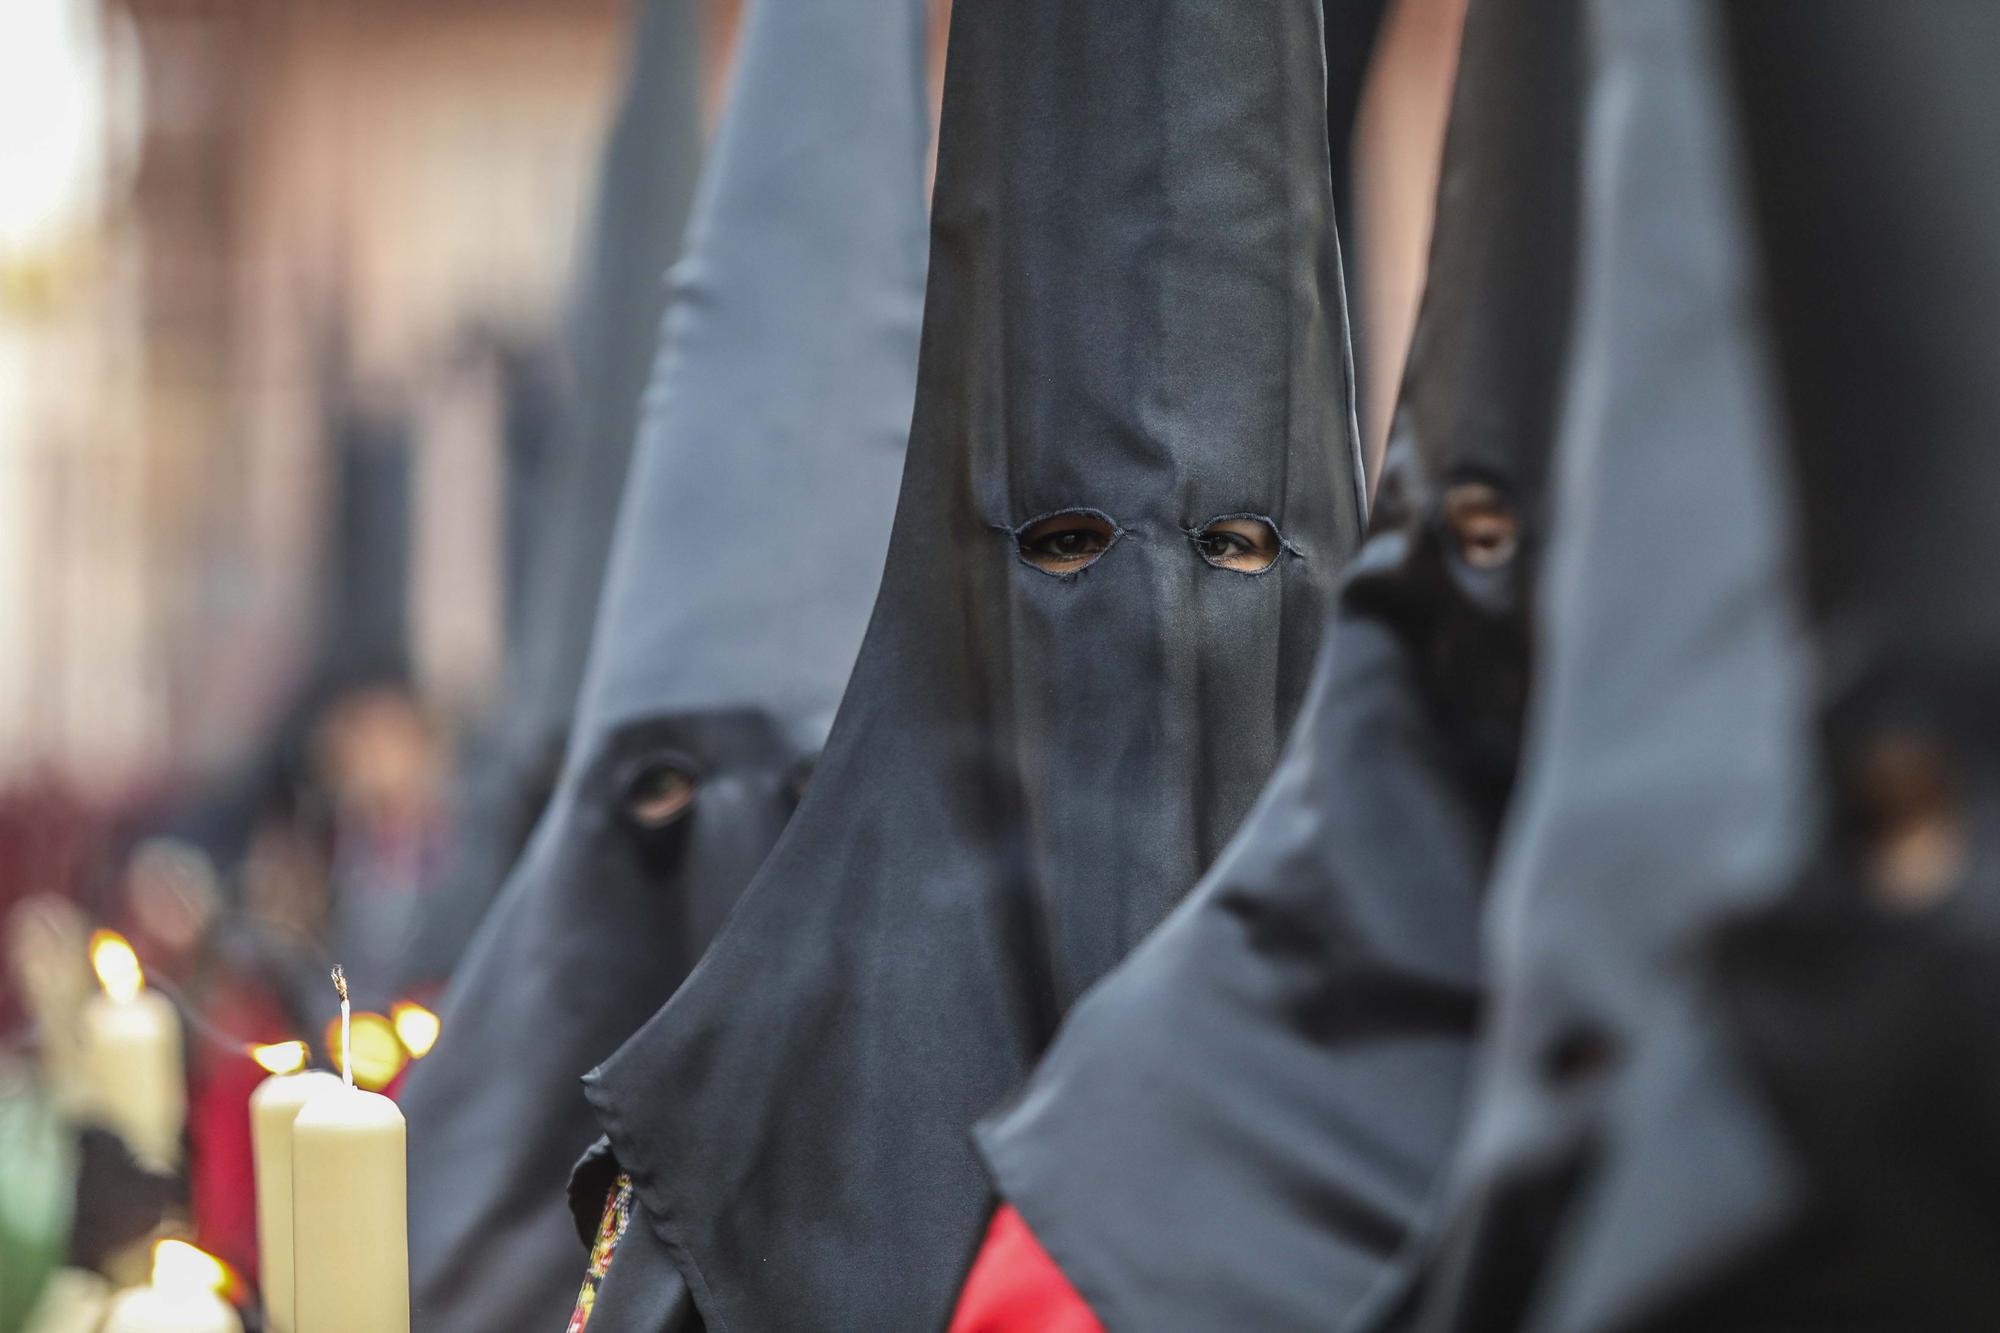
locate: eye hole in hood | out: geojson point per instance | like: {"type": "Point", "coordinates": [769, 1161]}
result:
{"type": "Point", "coordinates": [1485, 531]}
{"type": "Point", "coordinates": [658, 791]}
{"type": "Point", "coordinates": [1908, 802]}
{"type": "Point", "coordinates": [1246, 543]}
{"type": "Point", "coordinates": [1066, 542]}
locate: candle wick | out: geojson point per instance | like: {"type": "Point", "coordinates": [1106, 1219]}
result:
{"type": "Point", "coordinates": [346, 1026]}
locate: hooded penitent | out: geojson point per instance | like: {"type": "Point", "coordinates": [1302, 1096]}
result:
{"type": "Point", "coordinates": [1131, 479]}
{"type": "Point", "coordinates": [748, 552]}
{"type": "Point", "coordinates": [1866, 1002]}
{"type": "Point", "coordinates": [1665, 780]}
{"type": "Point", "coordinates": [1241, 1124]}
{"type": "Point", "coordinates": [646, 181]}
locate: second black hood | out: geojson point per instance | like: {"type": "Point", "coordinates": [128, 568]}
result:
{"type": "Point", "coordinates": [746, 558]}
{"type": "Point", "coordinates": [1240, 1126]}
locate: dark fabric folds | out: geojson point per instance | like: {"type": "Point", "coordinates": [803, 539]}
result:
{"type": "Point", "coordinates": [1865, 1002]}
{"type": "Point", "coordinates": [1239, 1127]}
{"type": "Point", "coordinates": [1610, 1151]}
{"type": "Point", "coordinates": [1134, 309]}
{"type": "Point", "coordinates": [746, 557]}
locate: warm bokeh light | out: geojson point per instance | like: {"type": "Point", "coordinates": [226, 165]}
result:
{"type": "Point", "coordinates": [378, 1052]}
{"type": "Point", "coordinates": [178, 1265]}
{"type": "Point", "coordinates": [416, 1027]}
{"type": "Point", "coordinates": [284, 1057]}
{"type": "Point", "coordinates": [117, 967]}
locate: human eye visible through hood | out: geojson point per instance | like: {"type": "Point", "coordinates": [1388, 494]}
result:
{"type": "Point", "coordinates": [1066, 542]}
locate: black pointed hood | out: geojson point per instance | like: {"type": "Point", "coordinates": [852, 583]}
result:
{"type": "Point", "coordinates": [645, 186]}
{"type": "Point", "coordinates": [1063, 708]}
{"type": "Point", "coordinates": [1866, 1001]}
{"type": "Point", "coordinates": [1665, 780]}
{"type": "Point", "coordinates": [747, 555]}
{"type": "Point", "coordinates": [1239, 1127]}
{"type": "Point", "coordinates": [648, 174]}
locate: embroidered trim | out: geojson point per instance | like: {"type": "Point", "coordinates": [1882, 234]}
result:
{"type": "Point", "coordinates": [610, 1230]}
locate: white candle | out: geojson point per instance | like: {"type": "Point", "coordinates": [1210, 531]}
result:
{"type": "Point", "coordinates": [350, 1234]}
{"type": "Point", "coordinates": [350, 1229]}
{"type": "Point", "coordinates": [273, 1107]}
{"type": "Point", "coordinates": [133, 1076]}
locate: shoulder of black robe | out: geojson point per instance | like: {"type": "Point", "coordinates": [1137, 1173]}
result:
{"type": "Point", "coordinates": [1133, 311]}
{"type": "Point", "coordinates": [748, 552]}
{"type": "Point", "coordinates": [1609, 1149]}
{"type": "Point", "coordinates": [645, 186]}
{"type": "Point", "coordinates": [1240, 1125]}
{"type": "Point", "coordinates": [1867, 999]}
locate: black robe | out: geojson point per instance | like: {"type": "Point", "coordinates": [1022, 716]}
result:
{"type": "Point", "coordinates": [747, 555]}
{"type": "Point", "coordinates": [1240, 1126]}
{"type": "Point", "coordinates": [1134, 313]}
{"type": "Point", "coordinates": [1665, 781]}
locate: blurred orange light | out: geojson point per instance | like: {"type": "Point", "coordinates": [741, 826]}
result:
{"type": "Point", "coordinates": [117, 967]}
{"type": "Point", "coordinates": [416, 1027]}
{"type": "Point", "coordinates": [378, 1054]}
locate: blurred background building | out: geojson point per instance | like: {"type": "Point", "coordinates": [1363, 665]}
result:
{"type": "Point", "coordinates": [273, 276]}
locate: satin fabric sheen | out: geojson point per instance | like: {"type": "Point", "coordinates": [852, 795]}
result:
{"type": "Point", "coordinates": [1134, 308]}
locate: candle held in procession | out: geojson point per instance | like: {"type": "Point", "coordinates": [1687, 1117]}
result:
{"type": "Point", "coordinates": [132, 1062]}
{"type": "Point", "coordinates": [182, 1298]}
{"type": "Point", "coordinates": [273, 1107]}
{"type": "Point", "coordinates": [350, 1230]}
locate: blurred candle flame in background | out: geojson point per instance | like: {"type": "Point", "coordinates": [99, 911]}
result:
{"type": "Point", "coordinates": [117, 967]}
{"type": "Point", "coordinates": [416, 1027]}
{"type": "Point", "coordinates": [284, 1057]}
{"type": "Point", "coordinates": [179, 1266]}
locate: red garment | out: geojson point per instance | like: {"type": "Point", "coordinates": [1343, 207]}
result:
{"type": "Point", "coordinates": [222, 1174]}
{"type": "Point", "coordinates": [1016, 1288]}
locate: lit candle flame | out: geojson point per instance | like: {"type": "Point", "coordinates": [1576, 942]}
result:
{"type": "Point", "coordinates": [416, 1027]}
{"type": "Point", "coordinates": [179, 1266]}
{"type": "Point", "coordinates": [285, 1057]}
{"type": "Point", "coordinates": [118, 969]}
